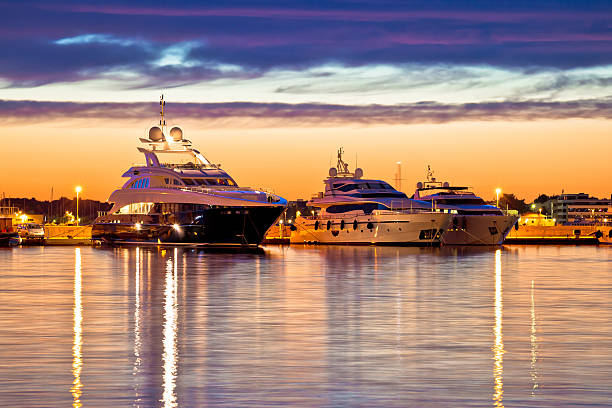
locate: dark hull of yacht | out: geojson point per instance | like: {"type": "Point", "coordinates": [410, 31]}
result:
{"type": "Point", "coordinates": [229, 226]}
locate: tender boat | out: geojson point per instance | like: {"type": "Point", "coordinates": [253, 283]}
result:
{"type": "Point", "coordinates": [8, 235]}
{"type": "Point", "coordinates": [474, 221]}
{"type": "Point", "coordinates": [180, 197]}
{"type": "Point", "coordinates": [354, 210]}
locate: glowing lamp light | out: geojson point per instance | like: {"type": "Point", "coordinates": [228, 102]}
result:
{"type": "Point", "coordinates": [176, 227]}
{"type": "Point", "coordinates": [498, 192]}
{"type": "Point", "coordinates": [78, 189]}
{"type": "Point", "coordinates": [137, 225]}
{"type": "Point", "coordinates": [23, 218]}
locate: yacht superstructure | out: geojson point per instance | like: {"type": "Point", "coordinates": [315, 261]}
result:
{"type": "Point", "coordinates": [354, 210]}
{"type": "Point", "coordinates": [474, 221]}
{"type": "Point", "coordinates": [179, 197]}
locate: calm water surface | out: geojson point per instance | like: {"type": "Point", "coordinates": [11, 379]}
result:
{"type": "Point", "coordinates": [306, 327]}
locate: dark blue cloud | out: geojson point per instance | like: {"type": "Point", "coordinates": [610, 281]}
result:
{"type": "Point", "coordinates": [259, 36]}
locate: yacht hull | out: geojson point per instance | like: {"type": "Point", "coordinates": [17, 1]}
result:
{"type": "Point", "coordinates": [479, 229]}
{"type": "Point", "coordinates": [416, 229]}
{"type": "Point", "coordinates": [230, 226]}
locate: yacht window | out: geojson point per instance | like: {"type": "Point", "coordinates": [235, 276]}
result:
{"type": "Point", "coordinates": [201, 182]}
{"type": "Point", "coordinates": [176, 182]}
{"type": "Point", "coordinates": [167, 180]}
{"type": "Point", "coordinates": [366, 208]}
{"type": "Point", "coordinates": [212, 182]}
{"type": "Point", "coordinates": [348, 187]}
{"type": "Point", "coordinates": [136, 208]}
{"type": "Point", "coordinates": [189, 182]}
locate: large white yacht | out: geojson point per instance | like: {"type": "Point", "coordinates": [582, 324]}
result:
{"type": "Point", "coordinates": [475, 222]}
{"type": "Point", "coordinates": [353, 210]}
{"type": "Point", "coordinates": [180, 197]}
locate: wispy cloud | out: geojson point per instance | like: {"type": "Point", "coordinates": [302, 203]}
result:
{"type": "Point", "coordinates": [277, 114]}
{"type": "Point", "coordinates": [96, 38]}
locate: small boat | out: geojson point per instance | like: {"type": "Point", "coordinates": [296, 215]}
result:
{"type": "Point", "coordinates": [8, 236]}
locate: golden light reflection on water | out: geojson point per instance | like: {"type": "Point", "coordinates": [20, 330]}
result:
{"type": "Point", "coordinates": [534, 345]}
{"type": "Point", "coordinates": [77, 343]}
{"type": "Point", "coordinates": [170, 355]}
{"type": "Point", "coordinates": [137, 339]}
{"type": "Point", "coordinates": [498, 348]}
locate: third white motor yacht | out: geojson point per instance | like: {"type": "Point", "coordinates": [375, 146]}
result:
{"type": "Point", "coordinates": [474, 221]}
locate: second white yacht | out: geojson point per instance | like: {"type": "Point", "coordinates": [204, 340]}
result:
{"type": "Point", "coordinates": [353, 210]}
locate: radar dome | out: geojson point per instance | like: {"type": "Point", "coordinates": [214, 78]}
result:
{"type": "Point", "coordinates": [155, 134]}
{"type": "Point", "coordinates": [333, 172]}
{"type": "Point", "coordinates": [445, 184]}
{"type": "Point", "coordinates": [419, 185]}
{"type": "Point", "coordinates": [176, 134]}
{"type": "Point", "coordinates": [358, 173]}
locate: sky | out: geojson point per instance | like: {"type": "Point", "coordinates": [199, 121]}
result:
{"type": "Point", "coordinates": [516, 95]}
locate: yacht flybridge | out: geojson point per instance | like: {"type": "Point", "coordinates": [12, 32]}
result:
{"type": "Point", "coordinates": [354, 210]}
{"type": "Point", "coordinates": [180, 197]}
{"type": "Point", "coordinates": [475, 222]}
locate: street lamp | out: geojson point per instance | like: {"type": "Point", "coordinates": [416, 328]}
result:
{"type": "Point", "coordinates": [497, 192]}
{"type": "Point", "coordinates": [78, 189]}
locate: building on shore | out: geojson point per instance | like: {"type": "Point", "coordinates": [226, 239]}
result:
{"type": "Point", "coordinates": [536, 219]}
{"type": "Point", "coordinates": [580, 208]}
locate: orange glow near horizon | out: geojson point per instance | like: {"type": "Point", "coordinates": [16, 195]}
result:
{"type": "Point", "coordinates": [523, 158]}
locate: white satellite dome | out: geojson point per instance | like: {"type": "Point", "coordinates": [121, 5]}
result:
{"type": "Point", "coordinates": [358, 172]}
{"type": "Point", "coordinates": [446, 184]}
{"type": "Point", "coordinates": [333, 172]}
{"type": "Point", "coordinates": [419, 185]}
{"type": "Point", "coordinates": [155, 134]}
{"type": "Point", "coordinates": [176, 134]}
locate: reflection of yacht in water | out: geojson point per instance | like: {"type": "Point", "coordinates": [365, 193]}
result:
{"type": "Point", "coordinates": [179, 197]}
{"type": "Point", "coordinates": [354, 210]}
{"type": "Point", "coordinates": [474, 222]}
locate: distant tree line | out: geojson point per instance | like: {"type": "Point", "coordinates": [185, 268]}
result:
{"type": "Point", "coordinates": [56, 209]}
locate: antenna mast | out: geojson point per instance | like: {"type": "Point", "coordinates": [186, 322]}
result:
{"type": "Point", "coordinates": [341, 166]}
{"type": "Point", "coordinates": [162, 121]}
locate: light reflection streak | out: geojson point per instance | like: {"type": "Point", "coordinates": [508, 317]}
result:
{"type": "Point", "coordinates": [137, 340]}
{"type": "Point", "coordinates": [170, 355]}
{"type": "Point", "coordinates": [534, 345]}
{"type": "Point", "coordinates": [498, 348]}
{"type": "Point", "coordinates": [77, 356]}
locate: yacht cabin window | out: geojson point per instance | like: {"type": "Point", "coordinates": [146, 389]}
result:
{"type": "Point", "coordinates": [136, 208]}
{"type": "Point", "coordinates": [371, 185]}
{"type": "Point", "coordinates": [141, 183]}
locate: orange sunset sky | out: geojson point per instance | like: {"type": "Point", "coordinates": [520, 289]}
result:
{"type": "Point", "coordinates": [522, 157]}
